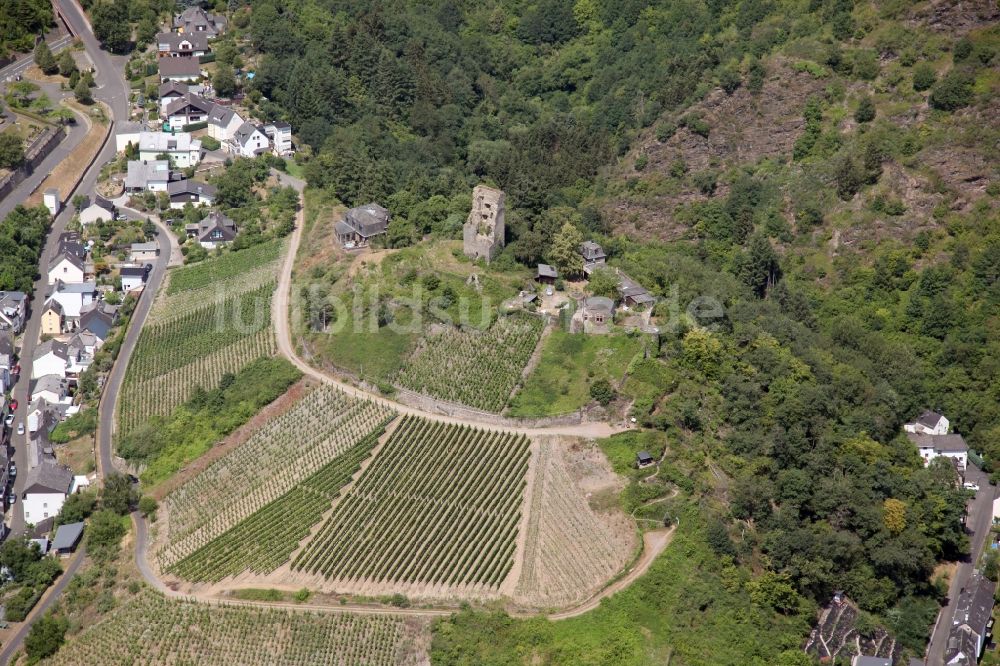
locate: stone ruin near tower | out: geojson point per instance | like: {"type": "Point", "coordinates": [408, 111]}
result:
{"type": "Point", "coordinates": [483, 233]}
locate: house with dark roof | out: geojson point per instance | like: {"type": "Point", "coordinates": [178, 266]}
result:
{"type": "Point", "coordinates": [546, 274]}
{"type": "Point", "coordinates": [74, 298]}
{"type": "Point", "coordinates": [70, 241]}
{"type": "Point", "coordinates": [49, 358]}
{"type": "Point", "coordinates": [643, 459]}
{"type": "Point", "coordinates": [50, 388]}
{"type": "Point", "coordinates": [213, 230]}
{"type": "Point", "coordinates": [934, 446]}
{"type": "Point", "coordinates": [96, 210]}
{"type": "Point", "coordinates": [593, 256]}
{"type": "Point", "coordinates": [862, 660]}
{"type": "Point", "coordinates": [362, 224]}
{"type": "Point", "coordinates": [66, 538]}
{"type": "Point", "coordinates": [929, 423]}
{"type": "Point", "coordinates": [972, 623]}
{"type": "Point", "coordinates": [45, 490]}
{"type": "Point", "coordinates": [248, 141]}
{"type": "Point", "coordinates": [634, 294]}
{"type": "Point", "coordinates": [171, 91]}
{"type": "Point", "coordinates": [13, 310]}
{"type": "Point", "coordinates": [194, 19]}
{"type": "Point", "coordinates": [187, 109]}
{"type": "Point", "coordinates": [97, 322]}
{"type": "Point", "coordinates": [194, 192]}
{"type": "Point", "coordinates": [133, 277]}
{"type": "Point", "coordinates": [53, 318]}
{"type": "Point", "coordinates": [179, 69]}
{"type": "Point", "coordinates": [181, 45]}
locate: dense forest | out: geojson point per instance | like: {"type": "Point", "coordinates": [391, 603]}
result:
{"type": "Point", "coordinates": [22, 237]}
{"type": "Point", "coordinates": [858, 269]}
{"type": "Point", "coordinates": [20, 22]}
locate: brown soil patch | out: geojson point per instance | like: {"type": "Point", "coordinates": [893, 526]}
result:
{"type": "Point", "coordinates": [68, 172]}
{"type": "Point", "coordinates": [78, 454]}
{"type": "Point", "coordinates": [954, 18]}
{"type": "Point", "coordinates": [234, 439]}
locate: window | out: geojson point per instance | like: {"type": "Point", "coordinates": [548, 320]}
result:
{"type": "Point", "coordinates": [45, 505]}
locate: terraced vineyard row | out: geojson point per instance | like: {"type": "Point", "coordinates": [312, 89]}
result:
{"type": "Point", "coordinates": [569, 552]}
{"type": "Point", "coordinates": [285, 451]}
{"type": "Point", "coordinates": [226, 267]}
{"type": "Point", "coordinates": [440, 504]}
{"type": "Point", "coordinates": [157, 396]}
{"type": "Point", "coordinates": [471, 367]}
{"type": "Point", "coordinates": [151, 630]}
{"type": "Point", "coordinates": [266, 539]}
{"type": "Point", "coordinates": [181, 303]}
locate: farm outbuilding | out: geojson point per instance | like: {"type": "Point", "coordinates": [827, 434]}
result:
{"type": "Point", "coordinates": [546, 274]}
{"type": "Point", "coordinates": [643, 459]}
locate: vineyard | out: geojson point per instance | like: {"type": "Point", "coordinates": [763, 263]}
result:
{"type": "Point", "coordinates": [250, 508]}
{"type": "Point", "coordinates": [224, 268]}
{"type": "Point", "coordinates": [472, 367]}
{"type": "Point", "coordinates": [570, 551]}
{"type": "Point", "coordinates": [174, 356]}
{"type": "Point", "coordinates": [151, 630]}
{"type": "Point", "coordinates": [440, 506]}
{"type": "Point", "coordinates": [211, 318]}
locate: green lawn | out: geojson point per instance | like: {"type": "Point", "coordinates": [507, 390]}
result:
{"type": "Point", "coordinates": [375, 355]}
{"type": "Point", "coordinates": [570, 363]}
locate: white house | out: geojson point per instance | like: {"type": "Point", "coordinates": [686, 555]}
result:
{"type": "Point", "coordinates": [194, 19]}
{"type": "Point", "coordinates": [280, 134]}
{"type": "Point", "coordinates": [128, 132]}
{"type": "Point", "coordinates": [133, 277]}
{"type": "Point", "coordinates": [98, 209]}
{"type": "Point", "coordinates": [223, 123]}
{"type": "Point", "coordinates": [66, 268]}
{"type": "Point", "coordinates": [74, 298]}
{"type": "Point", "coordinates": [929, 423]}
{"type": "Point", "coordinates": [934, 446]}
{"type": "Point", "coordinates": [151, 176]}
{"type": "Point", "coordinates": [50, 358]}
{"type": "Point", "coordinates": [178, 45]}
{"type": "Point", "coordinates": [194, 192]}
{"type": "Point", "coordinates": [45, 491]}
{"type": "Point", "coordinates": [182, 150]}
{"type": "Point", "coordinates": [13, 310]}
{"type": "Point", "coordinates": [53, 389]}
{"type": "Point", "coordinates": [248, 141]}
{"type": "Point", "coordinates": [139, 252]}
{"type": "Point", "coordinates": [187, 110]}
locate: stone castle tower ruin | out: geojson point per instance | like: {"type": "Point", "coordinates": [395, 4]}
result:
{"type": "Point", "coordinates": [483, 233]}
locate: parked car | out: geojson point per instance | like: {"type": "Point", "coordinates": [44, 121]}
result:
{"type": "Point", "coordinates": [120, 217]}
{"type": "Point", "coordinates": [13, 405]}
{"type": "Point", "coordinates": [20, 428]}
{"type": "Point", "coordinates": [13, 471]}
{"type": "Point", "coordinates": [11, 499]}
{"type": "Point", "coordinates": [9, 421]}
{"type": "Point", "coordinates": [970, 486]}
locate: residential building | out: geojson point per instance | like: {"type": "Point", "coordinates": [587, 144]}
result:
{"type": "Point", "coordinates": [546, 274]}
{"type": "Point", "coordinates": [13, 310]}
{"type": "Point", "coordinates": [929, 423]}
{"type": "Point", "coordinates": [194, 192]}
{"type": "Point", "coordinates": [179, 69]}
{"type": "Point", "coordinates": [187, 110]}
{"type": "Point", "coordinates": [593, 256]}
{"type": "Point", "coordinates": [180, 148]}
{"type": "Point", "coordinates": [53, 321]}
{"type": "Point", "coordinates": [360, 225]}
{"type": "Point", "coordinates": [96, 210]}
{"type": "Point", "coordinates": [45, 491]}
{"type": "Point", "coordinates": [862, 660]}
{"type": "Point", "coordinates": [181, 45]}
{"type": "Point", "coordinates": [972, 623]}
{"type": "Point", "coordinates": [144, 251]}
{"type": "Point", "coordinates": [52, 389]}
{"type": "Point", "coordinates": [67, 268]}
{"type": "Point", "coordinates": [50, 358]}
{"type": "Point", "coordinates": [67, 538]}
{"type": "Point", "coordinates": [70, 242]}
{"type": "Point", "coordinates": [214, 230]}
{"type": "Point", "coordinates": [483, 235]}
{"type": "Point", "coordinates": [7, 361]}
{"type": "Point", "coordinates": [597, 314]}
{"type": "Point", "coordinates": [194, 19]}
{"type": "Point", "coordinates": [98, 323]}
{"type": "Point", "coordinates": [634, 295]}
{"type": "Point", "coordinates": [147, 176]}
{"type": "Point", "coordinates": [934, 446]}
{"type": "Point", "coordinates": [223, 123]}
{"type": "Point", "coordinates": [127, 132]}
{"type": "Point", "coordinates": [133, 277]}
{"type": "Point", "coordinates": [171, 91]}
{"type": "Point", "coordinates": [280, 134]}
{"type": "Point", "coordinates": [643, 459]}
{"type": "Point", "coordinates": [74, 298]}
{"type": "Point", "coordinates": [247, 141]}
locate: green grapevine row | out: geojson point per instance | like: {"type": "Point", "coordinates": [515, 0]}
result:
{"type": "Point", "coordinates": [226, 267]}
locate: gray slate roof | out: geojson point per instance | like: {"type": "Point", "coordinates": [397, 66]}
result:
{"type": "Point", "coordinates": [67, 536]}
{"type": "Point", "coordinates": [172, 40]}
{"type": "Point", "coordinates": [191, 187]}
{"type": "Point", "coordinates": [60, 349]}
{"type": "Point", "coordinates": [189, 99]}
{"type": "Point", "coordinates": [871, 661]}
{"type": "Point", "coordinates": [929, 419]}
{"type": "Point", "coordinates": [53, 383]}
{"type": "Point", "coordinates": [96, 322]}
{"type": "Point", "coordinates": [173, 89]}
{"type": "Point", "coordinates": [48, 477]}
{"type": "Point", "coordinates": [544, 270]}
{"type": "Point", "coordinates": [945, 443]}
{"type": "Point", "coordinates": [141, 173]}
{"type": "Point", "coordinates": [368, 220]}
{"type": "Point", "coordinates": [187, 67]}
{"type": "Point", "coordinates": [71, 257]}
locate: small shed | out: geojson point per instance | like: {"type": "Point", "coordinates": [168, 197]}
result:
{"type": "Point", "coordinates": [43, 545]}
{"type": "Point", "coordinates": [643, 459]}
{"type": "Point", "coordinates": [67, 538]}
{"type": "Point", "coordinates": [546, 274]}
